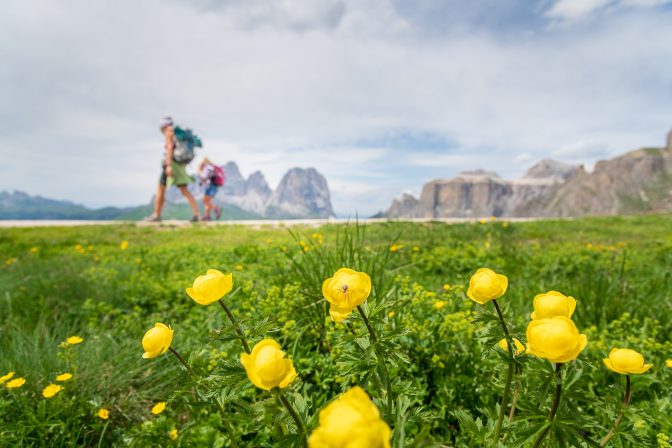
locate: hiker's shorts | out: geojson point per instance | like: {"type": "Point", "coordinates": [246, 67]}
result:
{"type": "Point", "coordinates": [211, 190]}
{"type": "Point", "coordinates": [180, 178]}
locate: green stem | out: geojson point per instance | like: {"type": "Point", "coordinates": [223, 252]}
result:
{"type": "Point", "coordinates": [102, 434]}
{"type": "Point", "coordinates": [509, 375]}
{"type": "Point", "coordinates": [626, 403]}
{"type": "Point", "coordinates": [184, 363]}
{"type": "Point", "coordinates": [294, 414]}
{"type": "Point", "coordinates": [554, 408]}
{"type": "Point", "coordinates": [241, 334]}
{"type": "Point", "coordinates": [385, 375]}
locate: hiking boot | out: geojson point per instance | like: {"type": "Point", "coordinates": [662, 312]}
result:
{"type": "Point", "coordinates": [218, 213]}
{"type": "Point", "coordinates": [152, 218]}
{"type": "Point", "coordinates": [205, 218]}
{"type": "Point", "coordinates": [195, 218]}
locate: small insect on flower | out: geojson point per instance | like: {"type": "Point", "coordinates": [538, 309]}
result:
{"type": "Point", "coordinates": [74, 340]}
{"type": "Point", "coordinates": [51, 390]}
{"type": "Point", "coordinates": [6, 377]}
{"type": "Point", "coordinates": [103, 413]}
{"type": "Point", "coordinates": [172, 434]}
{"type": "Point", "coordinates": [159, 407]}
{"type": "Point", "coordinates": [15, 383]}
{"type": "Point", "coordinates": [64, 377]}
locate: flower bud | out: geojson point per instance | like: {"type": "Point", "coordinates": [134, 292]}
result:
{"type": "Point", "coordinates": [626, 361]}
{"type": "Point", "coordinates": [157, 340]}
{"type": "Point", "coordinates": [551, 304]}
{"type": "Point", "coordinates": [486, 285]}
{"type": "Point", "coordinates": [210, 287]}
{"type": "Point", "coordinates": [267, 366]}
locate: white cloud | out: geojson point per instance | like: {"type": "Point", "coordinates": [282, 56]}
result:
{"type": "Point", "coordinates": [575, 9]}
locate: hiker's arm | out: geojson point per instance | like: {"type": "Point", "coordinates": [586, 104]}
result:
{"type": "Point", "coordinates": [170, 147]}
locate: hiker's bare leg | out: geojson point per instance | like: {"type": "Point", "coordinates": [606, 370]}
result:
{"type": "Point", "coordinates": [159, 200]}
{"type": "Point", "coordinates": [207, 203]}
{"type": "Point", "coordinates": [190, 199]}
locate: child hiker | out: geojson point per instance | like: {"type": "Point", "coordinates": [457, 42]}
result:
{"type": "Point", "coordinates": [211, 177]}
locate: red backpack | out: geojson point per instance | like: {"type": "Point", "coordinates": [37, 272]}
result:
{"type": "Point", "coordinates": [218, 177]}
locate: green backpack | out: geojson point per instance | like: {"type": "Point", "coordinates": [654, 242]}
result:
{"type": "Point", "coordinates": [185, 144]}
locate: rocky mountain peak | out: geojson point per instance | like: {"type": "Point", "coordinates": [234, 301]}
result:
{"type": "Point", "coordinates": [551, 169]}
{"type": "Point", "coordinates": [301, 192]}
{"type": "Point", "coordinates": [256, 183]}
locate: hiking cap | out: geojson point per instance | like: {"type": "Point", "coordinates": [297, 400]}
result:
{"type": "Point", "coordinates": [166, 121]}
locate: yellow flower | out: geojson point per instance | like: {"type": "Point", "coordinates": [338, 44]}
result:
{"type": "Point", "coordinates": [446, 286]}
{"type": "Point", "coordinates": [551, 304]}
{"type": "Point", "coordinates": [416, 248]}
{"type": "Point", "coordinates": [123, 245]}
{"type": "Point", "coordinates": [172, 434]}
{"type": "Point", "coordinates": [439, 304]}
{"type": "Point", "coordinates": [64, 377]}
{"type": "Point", "coordinates": [159, 407]}
{"type": "Point", "coordinates": [51, 390]}
{"type": "Point", "coordinates": [74, 340]}
{"type": "Point", "coordinates": [396, 247]}
{"type": "Point", "coordinates": [267, 366]}
{"type": "Point", "coordinates": [15, 383]}
{"type": "Point", "coordinates": [668, 363]}
{"type": "Point", "coordinates": [556, 339]}
{"type": "Point", "coordinates": [34, 250]}
{"type": "Point", "coordinates": [351, 421]}
{"type": "Point", "coordinates": [520, 348]}
{"type": "Point", "coordinates": [10, 261]}
{"type": "Point", "coordinates": [238, 267]}
{"type": "Point", "coordinates": [390, 314]}
{"type": "Point", "coordinates": [103, 413]}
{"type": "Point", "coordinates": [483, 221]}
{"type": "Point", "coordinates": [6, 377]}
{"type": "Point", "coordinates": [486, 285]}
{"type": "Point", "coordinates": [626, 361]}
{"type": "Point", "coordinates": [210, 287]}
{"type": "Point", "coordinates": [345, 291]}
{"type": "Point", "coordinates": [157, 340]}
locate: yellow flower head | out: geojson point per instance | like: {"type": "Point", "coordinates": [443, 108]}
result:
{"type": "Point", "coordinates": [520, 348]}
{"type": "Point", "coordinates": [351, 420]}
{"type": "Point", "coordinates": [103, 413]}
{"type": "Point", "coordinates": [159, 407]}
{"type": "Point", "coordinates": [123, 245]}
{"type": "Point", "coordinates": [345, 291]}
{"type": "Point", "coordinates": [6, 377]}
{"type": "Point", "coordinates": [74, 340]}
{"type": "Point", "coordinates": [267, 367]}
{"type": "Point", "coordinates": [446, 286]}
{"type": "Point", "coordinates": [34, 250]}
{"type": "Point", "coordinates": [172, 434]}
{"type": "Point", "coordinates": [556, 339]}
{"type": "Point", "coordinates": [486, 285]}
{"type": "Point", "coordinates": [157, 340]}
{"type": "Point", "coordinates": [668, 363]}
{"type": "Point", "coordinates": [15, 383]}
{"type": "Point", "coordinates": [626, 361]}
{"type": "Point", "coordinates": [439, 304]}
{"type": "Point", "coordinates": [391, 314]}
{"type": "Point", "coordinates": [64, 377]}
{"type": "Point", "coordinates": [51, 390]}
{"type": "Point", "coordinates": [551, 304]}
{"type": "Point", "coordinates": [210, 287]}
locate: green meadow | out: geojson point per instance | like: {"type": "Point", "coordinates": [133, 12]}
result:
{"type": "Point", "coordinates": [108, 285]}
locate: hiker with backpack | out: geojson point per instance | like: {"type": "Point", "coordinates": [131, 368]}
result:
{"type": "Point", "coordinates": [179, 147]}
{"type": "Point", "coordinates": [212, 177]}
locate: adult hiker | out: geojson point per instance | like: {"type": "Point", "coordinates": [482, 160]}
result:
{"type": "Point", "coordinates": [179, 149]}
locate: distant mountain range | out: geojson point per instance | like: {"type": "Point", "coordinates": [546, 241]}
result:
{"type": "Point", "coordinates": [639, 181]}
{"type": "Point", "coordinates": [302, 193]}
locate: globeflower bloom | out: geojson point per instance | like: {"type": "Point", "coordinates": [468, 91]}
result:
{"type": "Point", "coordinates": [210, 287]}
{"type": "Point", "coordinates": [345, 291]}
{"type": "Point", "coordinates": [103, 413]}
{"type": "Point", "coordinates": [51, 390]}
{"type": "Point", "coordinates": [6, 377]}
{"type": "Point", "coordinates": [504, 345]}
{"type": "Point", "coordinates": [352, 420]}
{"type": "Point", "coordinates": [267, 367]}
{"type": "Point", "coordinates": [74, 340]}
{"type": "Point", "coordinates": [668, 363]}
{"type": "Point", "coordinates": [172, 434]}
{"type": "Point", "coordinates": [486, 285]}
{"type": "Point", "coordinates": [15, 383]}
{"type": "Point", "coordinates": [64, 377]}
{"type": "Point", "coordinates": [551, 304]}
{"type": "Point", "coordinates": [157, 340]}
{"type": "Point", "coordinates": [123, 245]}
{"type": "Point", "coordinates": [556, 339]}
{"type": "Point", "coordinates": [626, 361]}
{"type": "Point", "coordinates": [159, 407]}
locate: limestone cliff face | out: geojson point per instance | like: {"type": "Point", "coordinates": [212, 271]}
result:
{"type": "Point", "coordinates": [301, 193]}
{"type": "Point", "coordinates": [637, 182]}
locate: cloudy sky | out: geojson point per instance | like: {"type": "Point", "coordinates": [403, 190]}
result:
{"type": "Point", "coordinates": [379, 95]}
